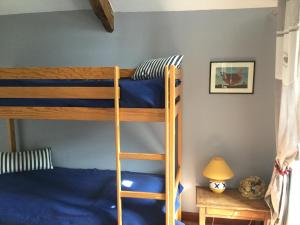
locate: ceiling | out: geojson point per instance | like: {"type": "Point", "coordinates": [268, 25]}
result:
{"type": "Point", "coordinates": [34, 6]}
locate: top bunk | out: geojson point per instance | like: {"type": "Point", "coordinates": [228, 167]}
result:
{"type": "Point", "coordinates": [86, 93]}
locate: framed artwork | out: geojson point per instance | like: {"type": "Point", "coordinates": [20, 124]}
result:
{"type": "Point", "coordinates": [232, 77]}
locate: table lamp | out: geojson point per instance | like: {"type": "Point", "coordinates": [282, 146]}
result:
{"type": "Point", "coordinates": [217, 171]}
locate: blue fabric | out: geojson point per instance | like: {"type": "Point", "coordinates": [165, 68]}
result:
{"type": "Point", "coordinates": [77, 197]}
{"type": "Point", "coordinates": [134, 94]}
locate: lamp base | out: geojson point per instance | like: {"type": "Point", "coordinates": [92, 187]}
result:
{"type": "Point", "coordinates": [217, 186]}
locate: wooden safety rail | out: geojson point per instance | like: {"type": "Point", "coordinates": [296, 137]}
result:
{"type": "Point", "coordinates": [72, 113]}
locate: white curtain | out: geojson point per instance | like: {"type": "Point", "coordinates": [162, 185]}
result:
{"type": "Point", "coordinates": [287, 70]}
{"type": "Point", "coordinates": [293, 212]}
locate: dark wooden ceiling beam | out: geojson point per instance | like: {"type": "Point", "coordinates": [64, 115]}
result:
{"type": "Point", "coordinates": [104, 12]}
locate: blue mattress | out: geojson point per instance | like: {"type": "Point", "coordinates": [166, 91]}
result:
{"type": "Point", "coordinates": [77, 197]}
{"type": "Point", "coordinates": [134, 93]}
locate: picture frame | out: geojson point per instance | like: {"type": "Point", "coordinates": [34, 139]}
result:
{"type": "Point", "coordinates": [232, 77]}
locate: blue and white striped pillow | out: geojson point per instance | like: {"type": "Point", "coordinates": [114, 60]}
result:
{"type": "Point", "coordinates": [155, 68]}
{"type": "Point", "coordinates": [13, 162]}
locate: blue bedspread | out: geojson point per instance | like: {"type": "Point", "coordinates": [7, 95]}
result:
{"type": "Point", "coordinates": [134, 93]}
{"type": "Point", "coordinates": [77, 197]}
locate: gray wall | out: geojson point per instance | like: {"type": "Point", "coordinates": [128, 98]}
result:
{"type": "Point", "coordinates": [238, 127]}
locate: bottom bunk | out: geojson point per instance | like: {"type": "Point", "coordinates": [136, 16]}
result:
{"type": "Point", "coordinates": [78, 197]}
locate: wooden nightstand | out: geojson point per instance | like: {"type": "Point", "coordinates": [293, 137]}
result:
{"type": "Point", "coordinates": [230, 205]}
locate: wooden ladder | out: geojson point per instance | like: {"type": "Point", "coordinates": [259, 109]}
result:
{"type": "Point", "coordinates": [169, 155]}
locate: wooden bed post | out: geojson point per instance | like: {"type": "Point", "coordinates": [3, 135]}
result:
{"type": "Point", "coordinates": [118, 143]}
{"type": "Point", "coordinates": [172, 145]}
{"type": "Point", "coordinates": [167, 145]}
{"type": "Point", "coordinates": [12, 135]}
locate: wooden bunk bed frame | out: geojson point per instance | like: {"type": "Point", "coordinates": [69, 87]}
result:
{"type": "Point", "coordinates": [167, 115]}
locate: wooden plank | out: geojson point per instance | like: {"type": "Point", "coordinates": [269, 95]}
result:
{"type": "Point", "coordinates": [167, 146]}
{"type": "Point", "coordinates": [118, 144]}
{"type": "Point", "coordinates": [142, 114]}
{"type": "Point", "coordinates": [56, 113]}
{"type": "Point", "coordinates": [172, 145]}
{"type": "Point", "coordinates": [125, 73]}
{"type": "Point", "coordinates": [146, 195]}
{"type": "Point", "coordinates": [12, 135]}
{"type": "Point", "coordinates": [81, 113]}
{"type": "Point", "coordinates": [58, 92]}
{"type": "Point", "coordinates": [104, 12]}
{"type": "Point", "coordinates": [57, 73]}
{"type": "Point", "coordinates": [141, 156]}
{"type": "Point", "coordinates": [62, 73]}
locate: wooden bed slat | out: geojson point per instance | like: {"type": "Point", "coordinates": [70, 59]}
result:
{"type": "Point", "coordinates": [129, 72]}
{"type": "Point", "coordinates": [58, 92]}
{"type": "Point", "coordinates": [126, 73]}
{"type": "Point", "coordinates": [81, 113]}
{"type": "Point", "coordinates": [142, 114]}
{"type": "Point", "coordinates": [62, 73]}
{"type": "Point", "coordinates": [56, 113]}
{"type": "Point", "coordinates": [57, 73]}
{"type": "Point", "coordinates": [146, 195]}
{"type": "Point", "coordinates": [142, 156]}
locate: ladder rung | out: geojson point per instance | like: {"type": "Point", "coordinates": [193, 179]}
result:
{"type": "Point", "coordinates": [147, 195]}
{"type": "Point", "coordinates": [142, 156]}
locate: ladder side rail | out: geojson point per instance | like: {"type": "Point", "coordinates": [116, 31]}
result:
{"type": "Point", "coordinates": [118, 142]}
{"type": "Point", "coordinates": [167, 146]}
{"type": "Point", "coordinates": [172, 138]}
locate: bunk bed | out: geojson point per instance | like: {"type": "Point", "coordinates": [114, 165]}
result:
{"type": "Point", "coordinates": [97, 94]}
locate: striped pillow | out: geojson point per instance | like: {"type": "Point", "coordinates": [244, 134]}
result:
{"type": "Point", "coordinates": [154, 68]}
{"type": "Point", "coordinates": [12, 162]}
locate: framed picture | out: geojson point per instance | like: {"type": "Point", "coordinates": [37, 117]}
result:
{"type": "Point", "coordinates": [232, 77]}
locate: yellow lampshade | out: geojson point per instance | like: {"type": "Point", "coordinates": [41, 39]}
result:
{"type": "Point", "coordinates": [218, 169]}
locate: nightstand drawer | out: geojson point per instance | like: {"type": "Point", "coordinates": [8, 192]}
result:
{"type": "Point", "coordinates": [231, 214]}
